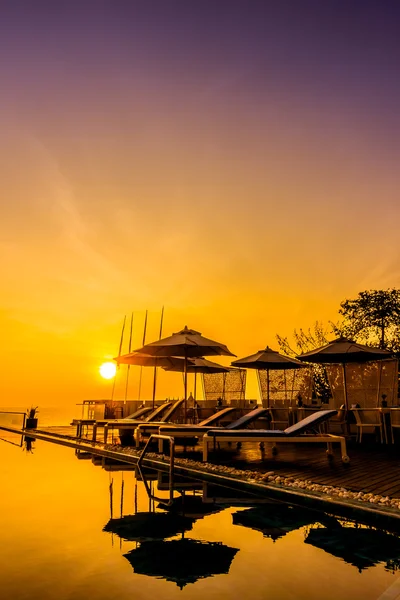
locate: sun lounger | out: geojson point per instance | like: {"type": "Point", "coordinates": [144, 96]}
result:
{"type": "Point", "coordinates": [193, 431]}
{"type": "Point", "coordinates": [81, 423]}
{"type": "Point", "coordinates": [293, 434]}
{"type": "Point", "coordinates": [154, 419]}
{"type": "Point", "coordinates": [142, 414]}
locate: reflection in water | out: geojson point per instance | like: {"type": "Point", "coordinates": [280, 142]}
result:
{"type": "Point", "coordinates": [275, 520]}
{"type": "Point", "coordinates": [29, 444]}
{"type": "Point", "coordinates": [182, 561]}
{"type": "Point", "coordinates": [115, 531]}
{"type": "Point", "coordinates": [361, 547]}
{"type": "Point", "coordinates": [149, 526]}
{"type": "Point", "coordinates": [186, 560]}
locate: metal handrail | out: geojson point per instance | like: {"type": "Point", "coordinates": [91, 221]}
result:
{"type": "Point", "coordinates": [171, 466]}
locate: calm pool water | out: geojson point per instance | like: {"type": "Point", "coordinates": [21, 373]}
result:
{"type": "Point", "coordinates": [71, 529]}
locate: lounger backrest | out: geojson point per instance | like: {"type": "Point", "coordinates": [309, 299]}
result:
{"type": "Point", "coordinates": [171, 411]}
{"type": "Point", "coordinates": [154, 416]}
{"type": "Point", "coordinates": [138, 414]}
{"type": "Point", "coordinates": [310, 422]}
{"type": "Point", "coordinates": [253, 415]}
{"type": "Point", "coordinates": [216, 416]}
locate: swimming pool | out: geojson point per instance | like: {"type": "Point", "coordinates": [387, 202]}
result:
{"type": "Point", "coordinates": [74, 527]}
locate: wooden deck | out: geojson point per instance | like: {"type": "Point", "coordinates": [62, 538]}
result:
{"type": "Point", "coordinates": [373, 468]}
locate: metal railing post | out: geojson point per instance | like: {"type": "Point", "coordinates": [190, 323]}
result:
{"type": "Point", "coordinates": [171, 464]}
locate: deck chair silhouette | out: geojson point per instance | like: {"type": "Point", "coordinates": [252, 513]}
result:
{"type": "Point", "coordinates": [142, 415]}
{"type": "Point", "coordinates": [151, 423]}
{"type": "Point", "coordinates": [81, 423]}
{"type": "Point", "coordinates": [197, 431]}
{"type": "Point", "coordinates": [297, 433]}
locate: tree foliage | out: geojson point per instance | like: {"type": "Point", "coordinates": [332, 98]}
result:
{"type": "Point", "coordinates": [373, 318]}
{"type": "Point", "coordinates": [304, 341]}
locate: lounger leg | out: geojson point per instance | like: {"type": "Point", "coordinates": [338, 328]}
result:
{"type": "Point", "coordinates": [343, 449]}
{"type": "Point", "coordinates": [137, 436]}
{"type": "Point", "coordinates": [205, 448]}
{"type": "Point", "coordinates": [94, 432]}
{"type": "Point", "coordinates": [329, 450]}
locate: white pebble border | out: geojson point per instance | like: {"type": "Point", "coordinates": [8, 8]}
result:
{"type": "Point", "coordinates": [258, 477]}
{"type": "Point", "coordinates": [270, 477]}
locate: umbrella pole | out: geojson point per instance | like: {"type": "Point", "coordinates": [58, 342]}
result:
{"type": "Point", "coordinates": [346, 401]}
{"type": "Point", "coordinates": [267, 388]}
{"type": "Point", "coordinates": [379, 384]}
{"type": "Point", "coordinates": [155, 367]}
{"type": "Point", "coordinates": [154, 386]}
{"type": "Point", "coordinates": [260, 387]}
{"type": "Point", "coordinates": [185, 387]}
{"type": "Point", "coordinates": [195, 385]}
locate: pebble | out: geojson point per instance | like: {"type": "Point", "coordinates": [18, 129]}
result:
{"type": "Point", "coordinates": [270, 477]}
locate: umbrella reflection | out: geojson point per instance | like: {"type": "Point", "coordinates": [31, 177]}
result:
{"type": "Point", "coordinates": [359, 546]}
{"type": "Point", "coordinates": [191, 506]}
{"type": "Point", "coordinates": [274, 520]}
{"type": "Point", "coordinates": [149, 526]}
{"type": "Point", "coordinates": [181, 561]}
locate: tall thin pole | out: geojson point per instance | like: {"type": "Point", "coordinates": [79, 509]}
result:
{"type": "Point", "coordinates": [129, 351]}
{"type": "Point", "coordinates": [185, 399]}
{"type": "Point", "coordinates": [119, 354]}
{"type": "Point", "coordinates": [144, 341]}
{"type": "Point", "coordinates": [260, 390]}
{"type": "Point", "coordinates": [155, 367]}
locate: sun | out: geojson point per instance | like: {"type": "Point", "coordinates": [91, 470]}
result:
{"type": "Point", "coordinates": [108, 370]}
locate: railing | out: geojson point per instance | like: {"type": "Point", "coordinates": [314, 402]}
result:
{"type": "Point", "coordinates": [10, 412]}
{"type": "Point", "coordinates": [171, 466]}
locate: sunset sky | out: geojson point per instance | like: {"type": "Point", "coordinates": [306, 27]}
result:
{"type": "Point", "coordinates": [233, 161]}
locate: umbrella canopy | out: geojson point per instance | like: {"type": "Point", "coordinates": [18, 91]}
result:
{"type": "Point", "coordinates": [149, 526]}
{"type": "Point", "coordinates": [343, 351]}
{"type": "Point", "coordinates": [186, 343]}
{"type": "Point", "coordinates": [145, 360]}
{"type": "Point", "coordinates": [268, 359]}
{"type": "Point", "coordinates": [361, 547]}
{"type": "Point", "coordinates": [182, 561]}
{"type": "Point", "coordinates": [198, 365]}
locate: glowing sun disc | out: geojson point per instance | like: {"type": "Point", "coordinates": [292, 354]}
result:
{"type": "Point", "coordinates": [108, 370]}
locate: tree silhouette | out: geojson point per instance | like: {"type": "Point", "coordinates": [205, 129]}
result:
{"type": "Point", "coordinates": [373, 318]}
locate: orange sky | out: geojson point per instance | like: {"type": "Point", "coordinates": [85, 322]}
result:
{"type": "Point", "coordinates": [247, 190]}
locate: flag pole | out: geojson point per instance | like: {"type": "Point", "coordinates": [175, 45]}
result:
{"type": "Point", "coordinates": [155, 367]}
{"type": "Point", "coordinates": [119, 354]}
{"type": "Point", "coordinates": [129, 351]}
{"type": "Point", "coordinates": [143, 343]}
